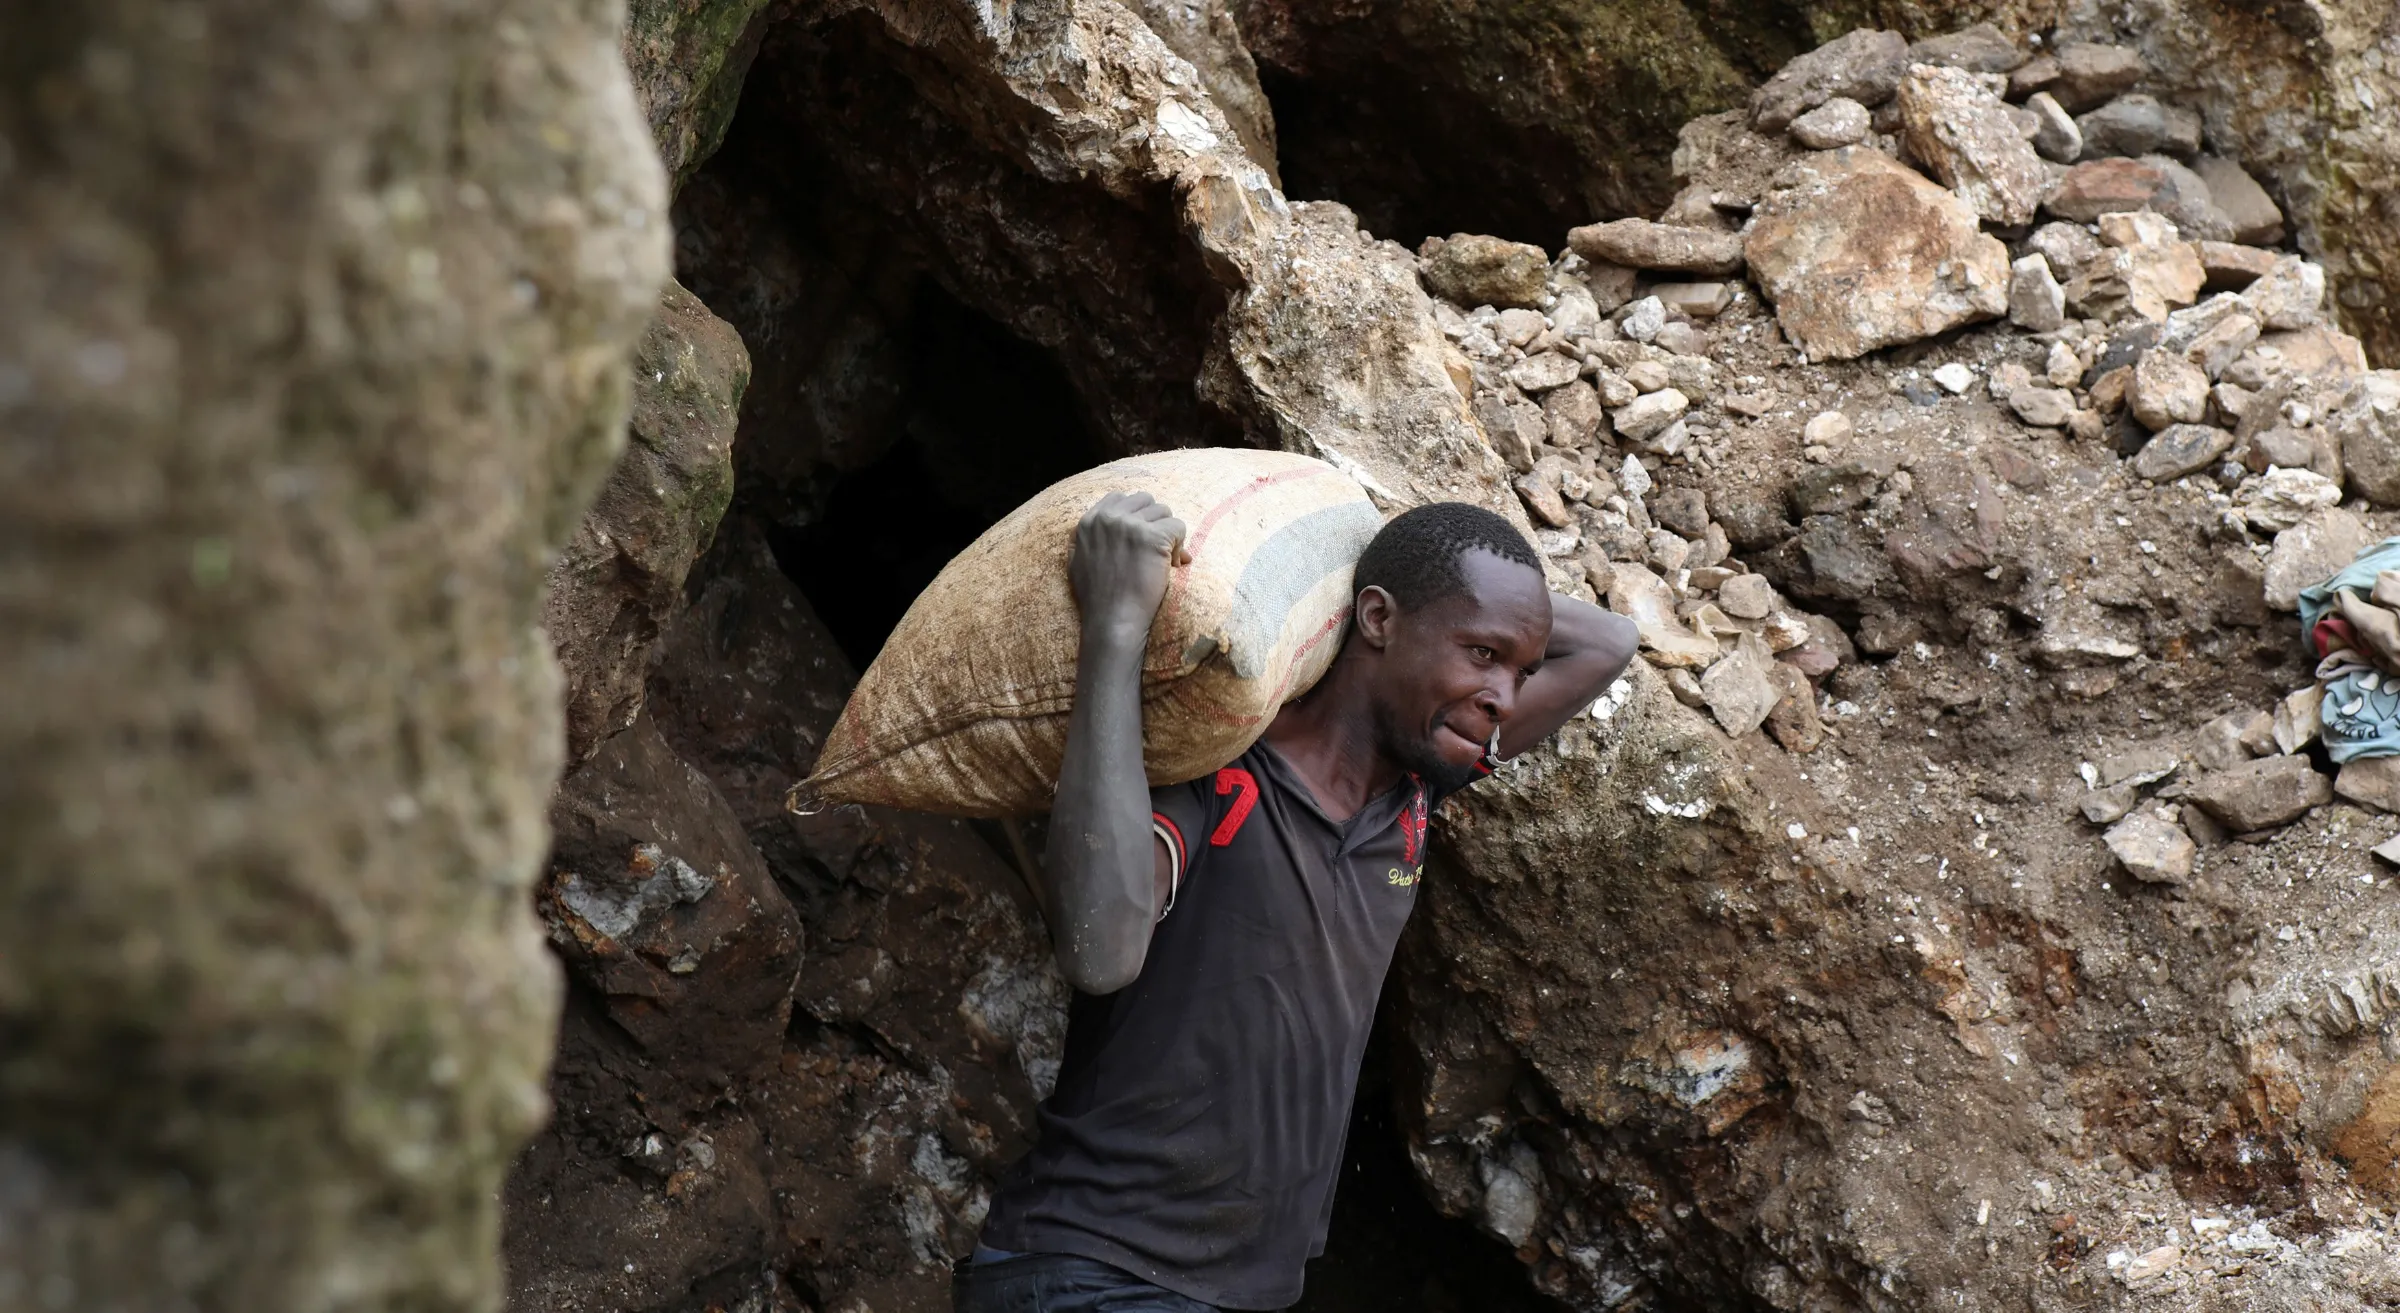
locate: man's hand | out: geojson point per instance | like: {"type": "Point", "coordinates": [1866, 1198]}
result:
{"type": "Point", "coordinates": [1123, 549]}
{"type": "Point", "coordinates": [1102, 864]}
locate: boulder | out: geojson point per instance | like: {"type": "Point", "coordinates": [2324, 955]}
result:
{"type": "Point", "coordinates": [2289, 295]}
{"type": "Point", "coordinates": [2311, 551]}
{"type": "Point", "coordinates": [2055, 136]}
{"type": "Point", "coordinates": [2261, 794]}
{"type": "Point", "coordinates": [2097, 187]}
{"type": "Point", "coordinates": [2090, 74]}
{"type": "Point", "coordinates": [2370, 781]}
{"type": "Point", "coordinates": [2152, 847]}
{"type": "Point", "coordinates": [2140, 125]}
{"type": "Point", "coordinates": [1864, 66]}
{"type": "Point", "coordinates": [2167, 389]}
{"type": "Point", "coordinates": [1741, 688]}
{"type": "Point", "coordinates": [2366, 428]}
{"type": "Point", "coordinates": [1838, 122]}
{"type": "Point", "coordinates": [1982, 48]}
{"type": "Point", "coordinates": [1965, 134]}
{"type": "Point", "coordinates": [2147, 271]}
{"type": "Point", "coordinates": [2256, 219]}
{"type": "Point", "coordinates": [1641, 244]}
{"type": "Point", "coordinates": [1471, 270]}
{"type": "Point", "coordinates": [622, 573]}
{"type": "Point", "coordinates": [2036, 303]}
{"type": "Point", "coordinates": [2180, 449]}
{"type": "Point", "coordinates": [2229, 267]}
{"type": "Point", "coordinates": [1574, 415]}
{"type": "Point", "coordinates": [2187, 202]}
{"type": "Point", "coordinates": [1859, 252]}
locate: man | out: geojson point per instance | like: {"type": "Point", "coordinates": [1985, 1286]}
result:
{"type": "Point", "coordinates": [1227, 938]}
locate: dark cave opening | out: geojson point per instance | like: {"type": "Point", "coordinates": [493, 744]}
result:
{"type": "Point", "coordinates": [984, 421]}
{"type": "Point", "coordinates": [1414, 160]}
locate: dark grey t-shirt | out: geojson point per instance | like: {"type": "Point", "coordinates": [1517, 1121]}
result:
{"type": "Point", "coordinates": [1197, 1128]}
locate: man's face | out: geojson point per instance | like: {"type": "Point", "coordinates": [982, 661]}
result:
{"type": "Point", "coordinates": [1448, 672]}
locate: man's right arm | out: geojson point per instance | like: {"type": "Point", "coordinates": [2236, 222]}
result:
{"type": "Point", "coordinates": [1103, 864]}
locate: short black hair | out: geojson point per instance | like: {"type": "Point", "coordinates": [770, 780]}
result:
{"type": "Point", "coordinates": [1414, 557]}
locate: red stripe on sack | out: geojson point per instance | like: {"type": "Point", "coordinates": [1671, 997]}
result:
{"type": "Point", "coordinates": [1229, 780]}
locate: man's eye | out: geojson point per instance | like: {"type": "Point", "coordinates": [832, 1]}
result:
{"type": "Point", "coordinates": [1483, 653]}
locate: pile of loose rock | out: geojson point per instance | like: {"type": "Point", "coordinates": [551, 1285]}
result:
{"type": "Point", "coordinates": [1878, 194]}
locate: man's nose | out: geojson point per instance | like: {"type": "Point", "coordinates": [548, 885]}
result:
{"type": "Point", "coordinates": [1497, 700]}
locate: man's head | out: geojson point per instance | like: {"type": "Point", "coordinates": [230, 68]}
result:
{"type": "Point", "coordinates": [1452, 616]}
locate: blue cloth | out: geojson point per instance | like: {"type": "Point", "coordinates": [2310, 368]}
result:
{"type": "Point", "coordinates": [1058, 1283]}
{"type": "Point", "coordinates": [2360, 716]}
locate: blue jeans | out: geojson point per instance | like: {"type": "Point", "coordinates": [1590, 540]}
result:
{"type": "Point", "coordinates": [1059, 1283]}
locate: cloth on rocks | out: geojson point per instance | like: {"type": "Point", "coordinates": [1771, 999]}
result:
{"type": "Point", "coordinates": [2357, 642]}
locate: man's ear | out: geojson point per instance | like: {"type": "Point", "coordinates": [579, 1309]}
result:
{"type": "Point", "coordinates": [1373, 615]}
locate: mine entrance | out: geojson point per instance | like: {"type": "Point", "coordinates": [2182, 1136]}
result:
{"type": "Point", "coordinates": [985, 420]}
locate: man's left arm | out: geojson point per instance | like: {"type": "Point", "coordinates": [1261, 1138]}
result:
{"type": "Point", "coordinates": [1589, 648]}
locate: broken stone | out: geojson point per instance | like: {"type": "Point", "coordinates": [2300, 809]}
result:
{"type": "Point", "coordinates": [2232, 402]}
{"type": "Point", "coordinates": [1641, 244]}
{"type": "Point", "coordinates": [2186, 203]}
{"type": "Point", "coordinates": [1504, 429]}
{"type": "Point", "coordinates": [1838, 122]}
{"type": "Point", "coordinates": [1686, 687]}
{"type": "Point", "coordinates": [2152, 847]}
{"type": "Point", "coordinates": [2281, 498]}
{"type": "Point", "coordinates": [2320, 353]}
{"type": "Point", "coordinates": [2035, 74]}
{"type": "Point", "coordinates": [1864, 65]}
{"type": "Point", "coordinates": [1682, 339]}
{"type": "Point", "coordinates": [2166, 389]}
{"type": "Point", "coordinates": [1827, 428]}
{"type": "Point", "coordinates": [2062, 367]}
{"type": "Point", "coordinates": [2150, 1267]}
{"type": "Point", "coordinates": [2055, 136]}
{"type": "Point", "coordinates": [2371, 782]}
{"type": "Point", "coordinates": [2261, 794]}
{"type": "Point", "coordinates": [2148, 272]}
{"type": "Point", "coordinates": [1543, 371]}
{"type": "Point", "coordinates": [2069, 247]}
{"type": "Point", "coordinates": [2140, 125]}
{"type": "Point", "coordinates": [1982, 48]}
{"type": "Point", "coordinates": [1955, 378]}
{"type": "Point", "coordinates": [2221, 343]}
{"type": "Point", "coordinates": [2042, 408]}
{"type": "Point", "coordinates": [2258, 734]}
{"type": "Point", "coordinates": [1859, 252]}
{"type": "Point", "coordinates": [2178, 450]}
{"type": "Point", "coordinates": [2365, 428]}
{"type": "Point", "coordinates": [2256, 220]}
{"type": "Point", "coordinates": [1650, 414]}
{"type": "Point", "coordinates": [1698, 300]}
{"type": "Point", "coordinates": [2091, 74]}
{"type": "Point", "coordinates": [1574, 415]}
{"type": "Point", "coordinates": [2218, 744]}
{"type": "Point", "coordinates": [1639, 595]}
{"type": "Point", "coordinates": [1611, 284]}
{"type": "Point", "coordinates": [1747, 597]}
{"type": "Point", "coordinates": [2231, 267]}
{"type": "Point", "coordinates": [1475, 270]}
{"type": "Point", "coordinates": [1542, 499]}
{"type": "Point", "coordinates": [1684, 510]}
{"type": "Point", "coordinates": [2137, 768]}
{"type": "Point", "coordinates": [1668, 552]}
{"type": "Point", "coordinates": [2036, 303]}
{"type": "Point", "coordinates": [1741, 688]}
{"type": "Point", "coordinates": [2312, 551]}
{"type": "Point", "coordinates": [1963, 132]}
{"type": "Point", "coordinates": [2104, 806]}
{"type": "Point", "coordinates": [2298, 719]}
{"type": "Point", "coordinates": [1648, 375]}
{"type": "Point", "coordinates": [1615, 389]}
{"type": "Point", "coordinates": [2290, 295]}
{"type": "Point", "coordinates": [1642, 319]}
{"type": "Point", "coordinates": [1519, 327]}
{"type": "Point", "coordinates": [2106, 186]}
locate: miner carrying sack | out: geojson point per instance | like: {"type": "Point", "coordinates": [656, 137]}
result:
{"type": "Point", "coordinates": [1227, 937]}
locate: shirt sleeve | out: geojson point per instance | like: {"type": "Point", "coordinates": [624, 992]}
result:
{"type": "Point", "coordinates": [1180, 815]}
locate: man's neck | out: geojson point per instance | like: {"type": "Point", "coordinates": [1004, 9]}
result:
{"type": "Point", "coordinates": [1328, 737]}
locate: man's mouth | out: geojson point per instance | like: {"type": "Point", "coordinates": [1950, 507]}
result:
{"type": "Point", "coordinates": [1445, 735]}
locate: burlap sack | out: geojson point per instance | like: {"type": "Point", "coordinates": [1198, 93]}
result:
{"type": "Point", "coordinates": [965, 710]}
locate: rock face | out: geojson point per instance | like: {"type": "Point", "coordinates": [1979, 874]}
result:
{"type": "Point", "coordinates": [721, 1153]}
{"type": "Point", "coordinates": [688, 60]}
{"type": "Point", "coordinates": [622, 573]}
{"type": "Point", "coordinates": [288, 453]}
{"type": "Point", "coordinates": [1858, 252]}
